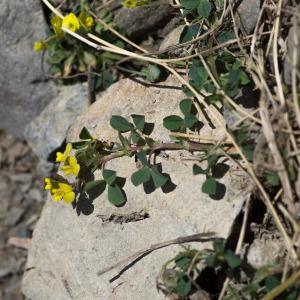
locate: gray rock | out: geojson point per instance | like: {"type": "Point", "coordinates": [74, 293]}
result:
{"type": "Point", "coordinates": [14, 215]}
{"type": "Point", "coordinates": [5, 196]}
{"type": "Point", "coordinates": [267, 251]}
{"type": "Point", "coordinates": [23, 95]}
{"type": "Point", "coordinates": [247, 12]}
{"type": "Point", "coordinates": [172, 38]}
{"type": "Point", "coordinates": [35, 195]}
{"type": "Point", "coordinates": [21, 177]}
{"type": "Point", "coordinates": [69, 250]}
{"type": "Point", "coordinates": [48, 131]}
{"type": "Point", "coordinates": [143, 20]}
{"type": "Point", "coordinates": [7, 264]}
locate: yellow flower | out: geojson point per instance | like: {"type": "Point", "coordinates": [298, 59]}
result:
{"type": "Point", "coordinates": [71, 166]}
{"type": "Point", "coordinates": [61, 157]}
{"type": "Point", "coordinates": [65, 192]}
{"type": "Point", "coordinates": [71, 22]}
{"type": "Point", "coordinates": [50, 184]}
{"type": "Point", "coordinates": [39, 46]}
{"type": "Point", "coordinates": [85, 20]}
{"type": "Point", "coordinates": [56, 23]}
{"type": "Point", "coordinates": [134, 3]}
{"type": "Point", "coordinates": [130, 3]}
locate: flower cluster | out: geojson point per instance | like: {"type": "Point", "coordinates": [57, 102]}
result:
{"type": "Point", "coordinates": [134, 3]}
{"type": "Point", "coordinates": [63, 190]}
{"type": "Point", "coordinates": [70, 165]}
{"type": "Point", "coordinates": [60, 190]}
{"type": "Point", "coordinates": [70, 22]}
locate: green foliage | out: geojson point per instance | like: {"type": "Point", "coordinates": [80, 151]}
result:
{"type": "Point", "coordinates": [244, 140]}
{"type": "Point", "coordinates": [141, 176]}
{"type": "Point", "coordinates": [173, 123]}
{"type": "Point", "coordinates": [204, 8]}
{"type": "Point", "coordinates": [109, 176]}
{"type": "Point", "coordinates": [139, 121]}
{"type": "Point", "coordinates": [273, 179]}
{"type": "Point", "coordinates": [180, 274]}
{"type": "Point", "coordinates": [232, 259]}
{"type": "Point", "coordinates": [121, 124]}
{"type": "Point", "coordinates": [85, 135]}
{"type": "Point", "coordinates": [115, 195]}
{"type": "Point", "coordinates": [209, 186]}
{"type": "Point", "coordinates": [198, 74]}
{"type": "Point", "coordinates": [151, 72]}
{"type": "Point", "coordinates": [189, 32]}
{"type": "Point", "coordinates": [183, 285]}
{"type": "Point", "coordinates": [176, 123]}
{"type": "Point", "coordinates": [158, 179]}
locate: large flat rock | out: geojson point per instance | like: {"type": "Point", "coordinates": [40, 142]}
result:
{"type": "Point", "coordinates": [68, 249]}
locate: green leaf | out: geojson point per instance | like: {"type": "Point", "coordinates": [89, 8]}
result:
{"type": "Point", "coordinates": [212, 160]}
{"type": "Point", "coordinates": [123, 140]}
{"type": "Point", "coordinates": [219, 245]}
{"type": "Point", "coordinates": [248, 150]}
{"type": "Point", "coordinates": [186, 106]}
{"type": "Point", "coordinates": [150, 142]}
{"type": "Point", "coordinates": [89, 59]}
{"type": "Point", "coordinates": [139, 121]}
{"type": "Point", "coordinates": [79, 145]}
{"type": "Point", "coordinates": [142, 158]}
{"type": "Point", "coordinates": [119, 123]}
{"type": "Point", "coordinates": [219, 4]}
{"type": "Point", "coordinates": [93, 185]}
{"type": "Point", "coordinates": [190, 121]}
{"type": "Point", "coordinates": [209, 87]}
{"type": "Point", "coordinates": [271, 283]}
{"type": "Point", "coordinates": [152, 72]}
{"type": "Point", "coordinates": [182, 261]}
{"type": "Point", "coordinates": [190, 4]}
{"type": "Point", "coordinates": [184, 285]}
{"type": "Point", "coordinates": [158, 179]}
{"type": "Point", "coordinates": [57, 57]}
{"type": "Point", "coordinates": [140, 176]}
{"type": "Point", "coordinates": [198, 170]}
{"type": "Point", "coordinates": [212, 99]}
{"type": "Point", "coordinates": [273, 179]}
{"type": "Point", "coordinates": [189, 32]}
{"type": "Point", "coordinates": [173, 122]}
{"type": "Point", "coordinates": [204, 8]}
{"type": "Point", "coordinates": [94, 188]}
{"type": "Point", "coordinates": [232, 259]}
{"type": "Point", "coordinates": [115, 195]}
{"type": "Point", "coordinates": [225, 36]}
{"type": "Point", "coordinates": [198, 74]}
{"type": "Point", "coordinates": [244, 78]}
{"type": "Point", "coordinates": [137, 139]}
{"type": "Point", "coordinates": [211, 260]}
{"type": "Point", "coordinates": [85, 134]}
{"type": "Point", "coordinates": [209, 186]}
{"type": "Point", "coordinates": [109, 176]}
{"type": "Point", "coordinates": [234, 76]}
